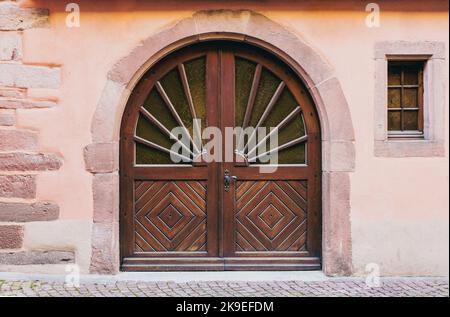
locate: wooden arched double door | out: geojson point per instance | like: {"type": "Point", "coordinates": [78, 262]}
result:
{"type": "Point", "coordinates": [182, 210]}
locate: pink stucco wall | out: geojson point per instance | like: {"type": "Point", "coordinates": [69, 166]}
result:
{"type": "Point", "coordinates": [399, 206]}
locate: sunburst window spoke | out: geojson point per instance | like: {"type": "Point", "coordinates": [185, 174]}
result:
{"type": "Point", "coordinates": [177, 100]}
{"type": "Point", "coordinates": [264, 101]}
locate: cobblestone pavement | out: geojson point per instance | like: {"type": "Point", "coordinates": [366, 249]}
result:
{"type": "Point", "coordinates": [342, 287]}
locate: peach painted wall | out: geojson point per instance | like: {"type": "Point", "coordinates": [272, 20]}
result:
{"type": "Point", "coordinates": [399, 206]}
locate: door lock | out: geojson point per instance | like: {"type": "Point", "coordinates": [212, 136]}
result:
{"type": "Point", "coordinates": [227, 180]}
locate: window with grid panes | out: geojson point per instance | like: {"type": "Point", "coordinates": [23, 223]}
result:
{"type": "Point", "coordinates": [405, 99]}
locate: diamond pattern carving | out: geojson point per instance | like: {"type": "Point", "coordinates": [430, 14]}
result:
{"type": "Point", "coordinates": [271, 216]}
{"type": "Point", "coordinates": [170, 216]}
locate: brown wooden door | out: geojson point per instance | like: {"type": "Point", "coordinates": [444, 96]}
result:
{"type": "Point", "coordinates": [228, 214]}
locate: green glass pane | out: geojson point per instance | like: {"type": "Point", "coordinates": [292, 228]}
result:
{"type": "Point", "coordinates": [293, 155]}
{"type": "Point", "coordinates": [245, 71]}
{"type": "Point", "coordinates": [149, 155]}
{"type": "Point", "coordinates": [146, 155]}
{"type": "Point", "coordinates": [196, 76]}
{"type": "Point", "coordinates": [411, 120]}
{"type": "Point", "coordinates": [150, 132]}
{"type": "Point", "coordinates": [173, 87]}
{"type": "Point", "coordinates": [394, 121]}
{"type": "Point", "coordinates": [156, 106]}
{"type": "Point", "coordinates": [410, 98]}
{"type": "Point", "coordinates": [283, 107]}
{"type": "Point", "coordinates": [292, 130]}
{"type": "Point", "coordinates": [394, 99]}
{"type": "Point", "coordinates": [266, 89]}
{"type": "Point", "coordinates": [394, 75]}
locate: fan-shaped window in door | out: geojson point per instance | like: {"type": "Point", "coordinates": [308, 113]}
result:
{"type": "Point", "coordinates": [176, 100]}
{"type": "Point", "coordinates": [264, 101]}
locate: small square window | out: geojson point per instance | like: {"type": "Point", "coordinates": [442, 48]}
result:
{"type": "Point", "coordinates": [405, 99]}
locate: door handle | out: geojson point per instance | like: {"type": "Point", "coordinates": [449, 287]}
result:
{"type": "Point", "coordinates": [227, 180]}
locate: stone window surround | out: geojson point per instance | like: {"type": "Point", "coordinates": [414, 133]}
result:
{"type": "Point", "coordinates": [338, 153]}
{"type": "Point", "coordinates": [433, 142]}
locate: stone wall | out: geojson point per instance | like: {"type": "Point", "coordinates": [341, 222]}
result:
{"type": "Point", "coordinates": [21, 159]}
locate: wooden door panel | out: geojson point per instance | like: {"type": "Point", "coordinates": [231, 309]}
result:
{"type": "Point", "coordinates": [270, 216]}
{"type": "Point", "coordinates": [170, 216]}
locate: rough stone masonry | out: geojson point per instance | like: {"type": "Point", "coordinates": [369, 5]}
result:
{"type": "Point", "coordinates": [21, 159]}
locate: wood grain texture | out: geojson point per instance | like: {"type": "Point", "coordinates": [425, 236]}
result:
{"type": "Point", "coordinates": [170, 216]}
{"type": "Point", "coordinates": [270, 216]}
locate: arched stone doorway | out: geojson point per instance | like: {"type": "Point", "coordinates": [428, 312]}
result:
{"type": "Point", "coordinates": [102, 155]}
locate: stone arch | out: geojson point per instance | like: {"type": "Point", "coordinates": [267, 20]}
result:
{"type": "Point", "coordinates": [338, 159]}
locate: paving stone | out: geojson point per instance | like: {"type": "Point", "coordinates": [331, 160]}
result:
{"type": "Point", "coordinates": [432, 287]}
